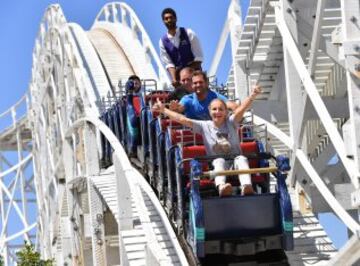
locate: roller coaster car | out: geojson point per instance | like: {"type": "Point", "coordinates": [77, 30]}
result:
{"type": "Point", "coordinates": [160, 146]}
{"type": "Point", "coordinates": [123, 116]}
{"type": "Point", "coordinates": [233, 226]}
{"type": "Point", "coordinates": [139, 137]}
{"type": "Point", "coordinates": [238, 225]}
{"type": "Point", "coordinates": [153, 129]}
{"type": "Point", "coordinates": [114, 118]}
{"type": "Point", "coordinates": [230, 228]}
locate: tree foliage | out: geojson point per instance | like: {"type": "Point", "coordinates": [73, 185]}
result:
{"type": "Point", "coordinates": [28, 256]}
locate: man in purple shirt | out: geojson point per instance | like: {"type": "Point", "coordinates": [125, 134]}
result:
{"type": "Point", "coordinates": [179, 47]}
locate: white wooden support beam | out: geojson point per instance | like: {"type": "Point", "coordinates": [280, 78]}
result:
{"type": "Point", "coordinates": [107, 13]}
{"type": "Point", "coordinates": [22, 179]}
{"type": "Point", "coordinates": [296, 100]}
{"type": "Point", "coordinates": [296, 97]}
{"type": "Point", "coordinates": [290, 17]}
{"type": "Point", "coordinates": [316, 179]}
{"type": "Point", "coordinates": [302, 104]}
{"type": "Point", "coordinates": [326, 46]}
{"type": "Point", "coordinates": [72, 222]}
{"type": "Point", "coordinates": [316, 36]}
{"type": "Point", "coordinates": [219, 49]}
{"type": "Point", "coordinates": [92, 167]}
{"type": "Point", "coordinates": [350, 12]}
{"type": "Point", "coordinates": [124, 20]}
{"type": "Point", "coordinates": [315, 98]}
{"type": "Point", "coordinates": [3, 217]}
{"type": "Point", "coordinates": [235, 27]}
{"type": "Point", "coordinates": [351, 33]}
{"type": "Point", "coordinates": [150, 256]}
{"type": "Point", "coordinates": [96, 226]}
{"type": "Point", "coordinates": [348, 254]}
{"type": "Point", "coordinates": [66, 236]}
{"type": "Point", "coordinates": [115, 12]}
{"type": "Point", "coordinates": [124, 196]}
{"type": "Point", "coordinates": [327, 195]}
{"type": "Point", "coordinates": [125, 219]}
{"type": "Point", "coordinates": [273, 110]}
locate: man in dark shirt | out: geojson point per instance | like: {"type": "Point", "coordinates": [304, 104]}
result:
{"type": "Point", "coordinates": [133, 85]}
{"type": "Point", "coordinates": [134, 103]}
{"type": "Point", "coordinates": [185, 85]}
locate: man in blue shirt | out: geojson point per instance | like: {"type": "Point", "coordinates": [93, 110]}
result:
{"type": "Point", "coordinates": [196, 105]}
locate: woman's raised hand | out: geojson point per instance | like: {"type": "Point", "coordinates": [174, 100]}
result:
{"type": "Point", "coordinates": [255, 92]}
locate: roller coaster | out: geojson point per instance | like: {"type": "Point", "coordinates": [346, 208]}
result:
{"type": "Point", "coordinates": [66, 150]}
{"type": "Point", "coordinates": [172, 159]}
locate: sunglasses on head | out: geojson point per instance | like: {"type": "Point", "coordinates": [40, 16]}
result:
{"type": "Point", "coordinates": [221, 135]}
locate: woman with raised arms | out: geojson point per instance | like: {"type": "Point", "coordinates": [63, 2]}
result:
{"type": "Point", "coordinates": [220, 138]}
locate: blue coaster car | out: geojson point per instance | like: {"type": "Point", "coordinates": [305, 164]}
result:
{"type": "Point", "coordinates": [153, 130]}
{"type": "Point", "coordinates": [116, 113]}
{"type": "Point", "coordinates": [106, 151]}
{"type": "Point", "coordinates": [239, 226]}
{"type": "Point", "coordinates": [160, 140]}
{"type": "Point", "coordinates": [179, 143]}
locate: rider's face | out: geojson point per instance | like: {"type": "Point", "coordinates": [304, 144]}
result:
{"type": "Point", "coordinates": [137, 85]}
{"type": "Point", "coordinates": [199, 85]}
{"type": "Point", "coordinates": [169, 21]}
{"type": "Point", "coordinates": [186, 80]}
{"type": "Point", "coordinates": [218, 111]}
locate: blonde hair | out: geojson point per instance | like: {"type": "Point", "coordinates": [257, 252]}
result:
{"type": "Point", "coordinates": [219, 100]}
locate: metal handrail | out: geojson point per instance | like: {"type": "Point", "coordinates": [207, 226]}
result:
{"type": "Point", "coordinates": [17, 104]}
{"type": "Point", "coordinates": [262, 170]}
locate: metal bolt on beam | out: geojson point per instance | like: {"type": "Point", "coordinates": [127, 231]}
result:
{"type": "Point", "coordinates": [353, 19]}
{"type": "Point", "coordinates": [99, 217]}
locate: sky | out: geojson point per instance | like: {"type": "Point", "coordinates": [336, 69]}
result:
{"type": "Point", "coordinates": [20, 22]}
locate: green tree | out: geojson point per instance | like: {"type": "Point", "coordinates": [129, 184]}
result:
{"type": "Point", "coordinates": [1, 261]}
{"type": "Point", "coordinates": [27, 256]}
